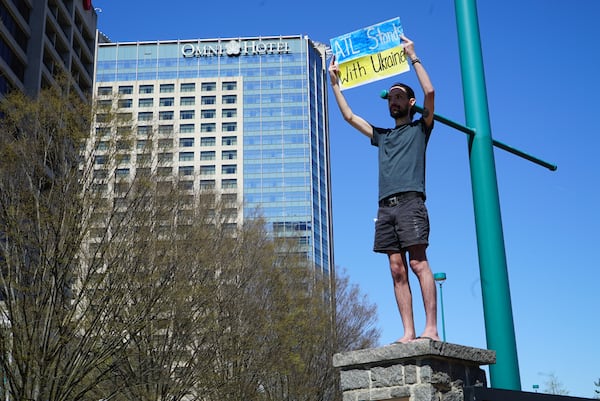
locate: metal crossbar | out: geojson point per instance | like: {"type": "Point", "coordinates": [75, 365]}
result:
{"type": "Point", "coordinates": [498, 144]}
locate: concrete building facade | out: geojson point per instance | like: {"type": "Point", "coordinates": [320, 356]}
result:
{"type": "Point", "coordinates": [41, 38]}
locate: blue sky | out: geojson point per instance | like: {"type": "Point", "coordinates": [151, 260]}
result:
{"type": "Point", "coordinates": [541, 69]}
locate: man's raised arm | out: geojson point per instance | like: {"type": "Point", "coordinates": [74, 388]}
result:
{"type": "Point", "coordinates": [426, 85]}
{"type": "Point", "coordinates": [356, 121]}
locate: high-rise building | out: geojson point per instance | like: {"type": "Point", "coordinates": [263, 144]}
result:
{"type": "Point", "coordinates": [245, 117]}
{"type": "Point", "coordinates": [41, 38]}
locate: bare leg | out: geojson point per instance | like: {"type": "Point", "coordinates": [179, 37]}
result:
{"type": "Point", "coordinates": [420, 266]}
{"type": "Point", "coordinates": [403, 294]}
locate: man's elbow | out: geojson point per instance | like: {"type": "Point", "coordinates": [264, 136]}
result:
{"type": "Point", "coordinates": [348, 117]}
{"type": "Point", "coordinates": [429, 92]}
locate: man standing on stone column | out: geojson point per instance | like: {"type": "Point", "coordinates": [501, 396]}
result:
{"type": "Point", "coordinates": [402, 220]}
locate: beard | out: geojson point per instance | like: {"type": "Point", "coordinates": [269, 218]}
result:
{"type": "Point", "coordinates": [398, 112]}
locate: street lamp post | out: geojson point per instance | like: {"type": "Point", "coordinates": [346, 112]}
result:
{"type": "Point", "coordinates": [440, 278]}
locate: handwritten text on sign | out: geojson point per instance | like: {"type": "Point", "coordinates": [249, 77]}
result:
{"type": "Point", "coordinates": [370, 54]}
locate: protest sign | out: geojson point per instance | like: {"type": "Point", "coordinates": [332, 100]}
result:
{"type": "Point", "coordinates": [370, 54]}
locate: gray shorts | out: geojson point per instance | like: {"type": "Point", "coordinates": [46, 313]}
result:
{"type": "Point", "coordinates": [404, 224]}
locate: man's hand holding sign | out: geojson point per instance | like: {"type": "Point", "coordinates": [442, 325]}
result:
{"type": "Point", "coordinates": [370, 54]}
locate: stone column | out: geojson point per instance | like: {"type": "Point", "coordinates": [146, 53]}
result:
{"type": "Point", "coordinates": [423, 370]}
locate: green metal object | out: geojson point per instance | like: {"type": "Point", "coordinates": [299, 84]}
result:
{"type": "Point", "coordinates": [440, 278]}
{"type": "Point", "coordinates": [498, 144]}
{"type": "Point", "coordinates": [499, 326]}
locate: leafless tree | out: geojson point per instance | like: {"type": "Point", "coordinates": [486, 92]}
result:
{"type": "Point", "coordinates": [123, 288]}
{"type": "Point", "coordinates": [553, 385]}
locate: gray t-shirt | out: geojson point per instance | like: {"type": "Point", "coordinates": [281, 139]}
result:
{"type": "Point", "coordinates": [401, 157]}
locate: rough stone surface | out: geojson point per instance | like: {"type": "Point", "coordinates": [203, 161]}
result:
{"type": "Point", "coordinates": [424, 392]}
{"type": "Point", "coordinates": [388, 376]}
{"type": "Point", "coordinates": [400, 392]}
{"type": "Point", "coordinates": [420, 371]}
{"type": "Point", "coordinates": [415, 350]}
{"type": "Point", "coordinates": [354, 379]}
{"type": "Point", "coordinates": [410, 374]}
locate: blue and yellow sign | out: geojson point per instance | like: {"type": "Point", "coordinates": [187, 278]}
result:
{"type": "Point", "coordinates": [370, 54]}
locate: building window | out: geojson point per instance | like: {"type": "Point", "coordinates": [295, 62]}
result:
{"type": "Point", "coordinates": [229, 127]}
{"type": "Point", "coordinates": [100, 174]}
{"type": "Point", "coordinates": [229, 99]}
{"type": "Point", "coordinates": [210, 113]}
{"type": "Point", "coordinates": [123, 145]}
{"type": "Point", "coordinates": [142, 144]}
{"type": "Point", "coordinates": [208, 141]}
{"type": "Point", "coordinates": [229, 169]}
{"type": "Point", "coordinates": [228, 113]}
{"type": "Point", "coordinates": [186, 170]}
{"type": "Point", "coordinates": [125, 90]}
{"type": "Point", "coordinates": [165, 157]}
{"type": "Point", "coordinates": [187, 87]}
{"type": "Point", "coordinates": [207, 155]}
{"type": "Point", "coordinates": [123, 159]}
{"type": "Point", "coordinates": [186, 128]}
{"type": "Point", "coordinates": [185, 185]}
{"type": "Point", "coordinates": [207, 184]}
{"type": "Point", "coordinates": [125, 103]}
{"type": "Point", "coordinates": [123, 131]}
{"type": "Point", "coordinates": [104, 90]}
{"type": "Point", "coordinates": [102, 145]}
{"type": "Point", "coordinates": [146, 89]}
{"type": "Point", "coordinates": [165, 143]}
{"type": "Point", "coordinates": [186, 156]}
{"type": "Point", "coordinates": [124, 117]}
{"type": "Point", "coordinates": [229, 184]}
{"type": "Point", "coordinates": [165, 115]}
{"type": "Point", "coordinates": [187, 101]}
{"type": "Point", "coordinates": [144, 158]}
{"type": "Point", "coordinates": [121, 173]}
{"type": "Point", "coordinates": [229, 155]}
{"type": "Point", "coordinates": [105, 104]}
{"type": "Point", "coordinates": [207, 170]}
{"type": "Point", "coordinates": [208, 86]}
{"type": "Point", "coordinates": [229, 228]}
{"type": "Point", "coordinates": [143, 171]}
{"type": "Point", "coordinates": [187, 114]}
{"type": "Point", "coordinates": [147, 102]}
{"type": "Point", "coordinates": [166, 101]}
{"type": "Point", "coordinates": [167, 88]}
{"type": "Point", "coordinates": [144, 130]}
{"type": "Point", "coordinates": [229, 199]}
{"type": "Point", "coordinates": [208, 127]}
{"type": "Point", "coordinates": [145, 116]}
{"type": "Point", "coordinates": [102, 131]}
{"type": "Point", "coordinates": [165, 129]}
{"type": "Point", "coordinates": [229, 86]}
{"type": "Point", "coordinates": [208, 100]}
{"type": "Point", "coordinates": [164, 171]}
{"type": "Point", "coordinates": [186, 142]}
{"type": "Point", "coordinates": [229, 140]}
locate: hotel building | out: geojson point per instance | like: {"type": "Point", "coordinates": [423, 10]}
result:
{"type": "Point", "coordinates": [244, 117]}
{"type": "Point", "coordinates": [40, 38]}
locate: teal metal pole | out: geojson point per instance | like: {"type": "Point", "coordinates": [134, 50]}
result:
{"type": "Point", "coordinates": [443, 320]}
{"type": "Point", "coordinates": [440, 278]}
{"type": "Point", "coordinates": [499, 326]}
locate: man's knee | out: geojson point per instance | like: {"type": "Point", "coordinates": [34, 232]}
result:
{"type": "Point", "coordinates": [418, 259]}
{"type": "Point", "coordinates": [398, 267]}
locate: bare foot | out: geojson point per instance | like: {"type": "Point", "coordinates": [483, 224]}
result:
{"type": "Point", "coordinates": [424, 336]}
{"type": "Point", "coordinates": [404, 340]}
